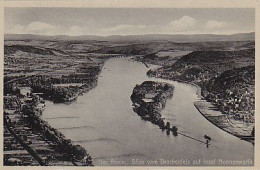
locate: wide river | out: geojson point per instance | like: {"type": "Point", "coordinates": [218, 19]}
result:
{"type": "Point", "coordinates": [104, 122]}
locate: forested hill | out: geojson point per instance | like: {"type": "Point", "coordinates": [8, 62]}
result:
{"type": "Point", "coordinates": [233, 79]}
{"type": "Point", "coordinates": [214, 61]}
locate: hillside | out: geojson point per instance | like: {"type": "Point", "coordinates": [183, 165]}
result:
{"type": "Point", "coordinates": [156, 46]}
{"type": "Point", "coordinates": [244, 77]}
{"type": "Point", "coordinates": [226, 78]}
{"type": "Point", "coordinates": [127, 47]}
{"type": "Point", "coordinates": [26, 48]}
{"type": "Point", "coordinates": [212, 62]}
{"type": "Point", "coordinates": [233, 92]}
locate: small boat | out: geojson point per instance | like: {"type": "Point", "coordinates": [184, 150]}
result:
{"type": "Point", "coordinates": [207, 137]}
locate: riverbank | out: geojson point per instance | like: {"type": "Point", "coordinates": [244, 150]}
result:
{"type": "Point", "coordinates": [237, 128]}
{"type": "Point", "coordinates": [58, 86]}
{"type": "Point", "coordinates": [51, 79]}
{"type": "Point", "coordinates": [234, 127]}
{"type": "Point", "coordinates": [46, 145]}
{"type": "Point", "coordinates": [227, 123]}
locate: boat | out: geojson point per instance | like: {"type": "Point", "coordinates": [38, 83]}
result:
{"type": "Point", "coordinates": [207, 137]}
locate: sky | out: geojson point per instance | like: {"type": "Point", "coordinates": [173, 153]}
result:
{"type": "Point", "coordinates": [128, 21]}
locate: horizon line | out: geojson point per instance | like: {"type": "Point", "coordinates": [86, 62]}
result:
{"type": "Point", "coordinates": [128, 34]}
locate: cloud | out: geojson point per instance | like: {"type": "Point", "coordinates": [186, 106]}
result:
{"type": "Point", "coordinates": [189, 25]}
{"type": "Point", "coordinates": [214, 25]}
{"type": "Point", "coordinates": [182, 24]}
{"type": "Point", "coordinates": [41, 28]}
{"type": "Point", "coordinates": [34, 28]}
{"type": "Point", "coordinates": [124, 29]}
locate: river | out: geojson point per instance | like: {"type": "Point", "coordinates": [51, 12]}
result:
{"type": "Point", "coordinates": [104, 122]}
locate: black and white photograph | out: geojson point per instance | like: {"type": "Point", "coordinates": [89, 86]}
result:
{"type": "Point", "coordinates": [157, 87]}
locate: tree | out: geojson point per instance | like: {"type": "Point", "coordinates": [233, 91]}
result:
{"type": "Point", "coordinates": [253, 132]}
{"type": "Point", "coordinates": [166, 87]}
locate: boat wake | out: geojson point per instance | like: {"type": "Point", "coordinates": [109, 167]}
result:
{"type": "Point", "coordinates": [60, 118]}
{"type": "Point", "coordinates": [76, 127]}
{"type": "Point", "coordinates": [98, 140]}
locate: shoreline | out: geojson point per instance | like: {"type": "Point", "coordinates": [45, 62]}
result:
{"type": "Point", "coordinates": [43, 142]}
{"type": "Point", "coordinates": [52, 139]}
{"type": "Point", "coordinates": [43, 138]}
{"type": "Point", "coordinates": [228, 126]}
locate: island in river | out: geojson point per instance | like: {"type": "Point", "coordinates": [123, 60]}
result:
{"type": "Point", "coordinates": [149, 99]}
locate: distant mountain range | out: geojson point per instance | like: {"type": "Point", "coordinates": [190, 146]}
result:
{"type": "Point", "coordinates": [139, 38]}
